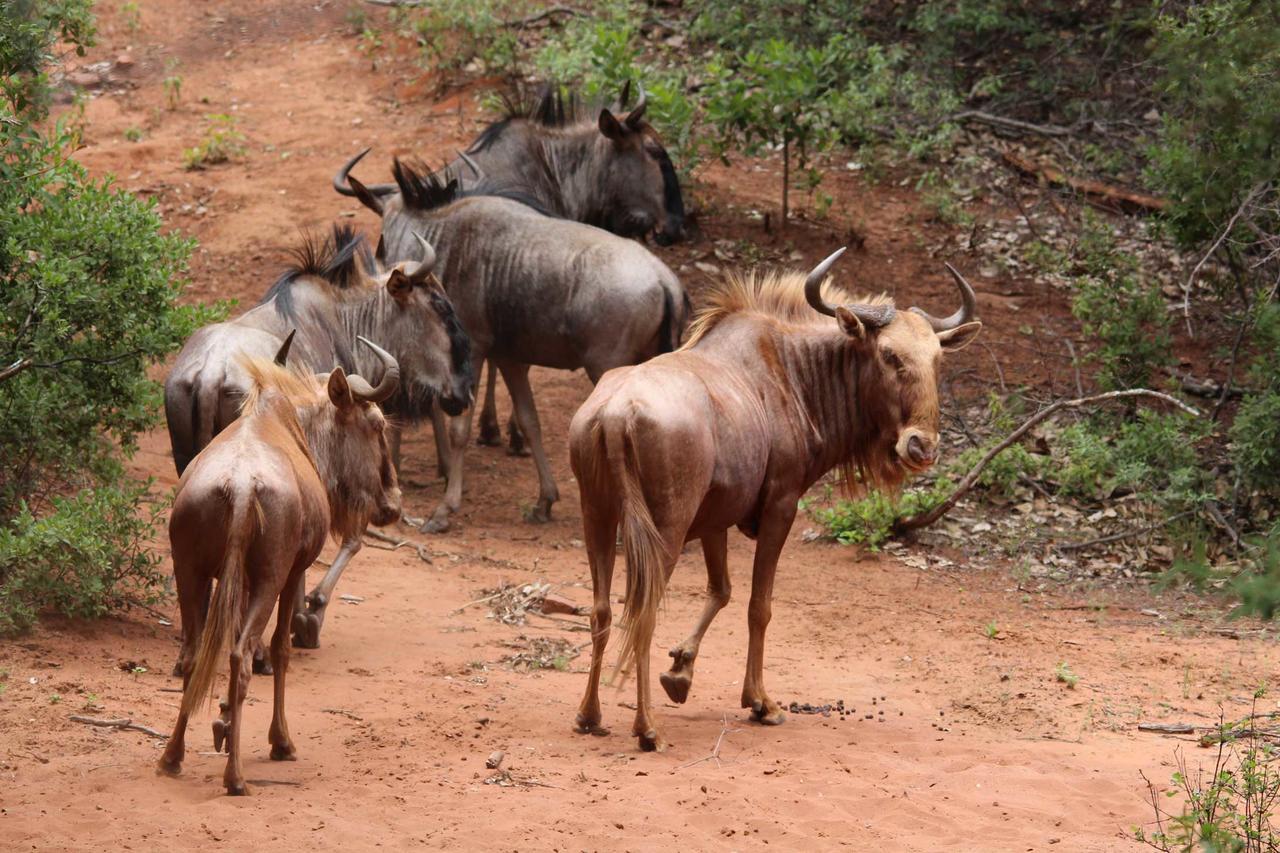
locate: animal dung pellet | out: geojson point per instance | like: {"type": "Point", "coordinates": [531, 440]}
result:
{"type": "Point", "coordinates": [494, 761]}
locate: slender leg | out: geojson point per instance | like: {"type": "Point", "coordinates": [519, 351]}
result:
{"type": "Point", "coordinates": [282, 748]}
{"type": "Point", "coordinates": [194, 609]}
{"type": "Point", "coordinates": [715, 550]}
{"type": "Point", "coordinates": [393, 440]}
{"type": "Point", "coordinates": [490, 435]}
{"type": "Point", "coordinates": [645, 728]}
{"type": "Point", "coordinates": [440, 427]}
{"type": "Point", "coordinates": [517, 379]}
{"type": "Point", "coordinates": [600, 534]}
{"type": "Point", "coordinates": [256, 616]}
{"type": "Point", "coordinates": [206, 592]}
{"type": "Point", "coordinates": [774, 527]}
{"type": "Point", "coordinates": [307, 622]}
{"type": "Point", "coordinates": [459, 435]}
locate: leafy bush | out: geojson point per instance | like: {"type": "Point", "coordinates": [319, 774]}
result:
{"type": "Point", "coordinates": [600, 54]}
{"type": "Point", "coordinates": [88, 301]}
{"type": "Point", "coordinates": [88, 556]}
{"type": "Point", "coordinates": [455, 34]}
{"type": "Point", "coordinates": [1126, 317]}
{"type": "Point", "coordinates": [222, 142]}
{"type": "Point", "coordinates": [1220, 78]}
{"type": "Point", "coordinates": [869, 519]}
{"type": "Point", "coordinates": [1255, 434]}
{"type": "Point", "coordinates": [1228, 808]}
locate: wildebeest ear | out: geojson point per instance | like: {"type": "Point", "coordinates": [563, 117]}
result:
{"type": "Point", "coordinates": [339, 390]}
{"type": "Point", "coordinates": [850, 324]}
{"type": "Point", "coordinates": [610, 126]}
{"type": "Point", "coordinates": [399, 285]}
{"type": "Point", "coordinates": [959, 337]}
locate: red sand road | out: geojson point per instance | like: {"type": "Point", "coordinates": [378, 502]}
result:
{"type": "Point", "coordinates": [970, 744]}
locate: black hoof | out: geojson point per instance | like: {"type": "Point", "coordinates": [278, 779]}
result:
{"type": "Point", "coordinates": [306, 630]}
{"type": "Point", "coordinates": [677, 685]}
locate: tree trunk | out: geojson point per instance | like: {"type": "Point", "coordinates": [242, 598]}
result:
{"type": "Point", "coordinates": [786, 176]}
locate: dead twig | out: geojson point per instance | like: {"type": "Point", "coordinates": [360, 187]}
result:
{"type": "Point", "coordinates": [1204, 259]}
{"type": "Point", "coordinates": [1127, 534]}
{"type": "Point", "coordinates": [542, 16]}
{"type": "Point", "coordinates": [343, 712]}
{"type": "Point", "coordinates": [1168, 728]}
{"type": "Point", "coordinates": [1011, 123]}
{"type": "Point", "coordinates": [397, 544]}
{"type": "Point", "coordinates": [122, 723]}
{"type": "Point", "coordinates": [715, 753]}
{"type": "Point", "coordinates": [15, 368]}
{"type": "Point", "coordinates": [924, 519]}
{"type": "Point", "coordinates": [1094, 191]}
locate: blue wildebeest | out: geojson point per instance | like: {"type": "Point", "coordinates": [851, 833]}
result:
{"type": "Point", "coordinates": [308, 456]}
{"type": "Point", "coordinates": [331, 294]}
{"type": "Point", "coordinates": [603, 169]}
{"type": "Point", "coordinates": [531, 289]}
{"type": "Point", "coordinates": [767, 396]}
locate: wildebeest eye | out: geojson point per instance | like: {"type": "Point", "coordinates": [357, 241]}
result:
{"type": "Point", "coordinates": [892, 359]}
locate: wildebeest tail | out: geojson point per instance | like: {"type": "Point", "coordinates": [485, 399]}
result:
{"type": "Point", "coordinates": [206, 406]}
{"type": "Point", "coordinates": [675, 314]}
{"type": "Point", "coordinates": [179, 415]}
{"type": "Point", "coordinates": [642, 545]}
{"type": "Point", "coordinates": [226, 614]}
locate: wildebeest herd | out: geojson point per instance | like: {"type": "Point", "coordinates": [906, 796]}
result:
{"type": "Point", "coordinates": [526, 250]}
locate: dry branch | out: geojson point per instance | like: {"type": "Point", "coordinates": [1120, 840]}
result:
{"type": "Point", "coordinates": [966, 483]}
{"type": "Point", "coordinates": [122, 723]}
{"type": "Point", "coordinates": [397, 544]}
{"type": "Point", "coordinates": [1011, 123]}
{"type": "Point", "coordinates": [14, 369]}
{"type": "Point", "coordinates": [542, 16]}
{"type": "Point", "coordinates": [1105, 195]}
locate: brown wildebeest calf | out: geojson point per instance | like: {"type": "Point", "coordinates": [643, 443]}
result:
{"type": "Point", "coordinates": [765, 398]}
{"type": "Point", "coordinates": [308, 455]}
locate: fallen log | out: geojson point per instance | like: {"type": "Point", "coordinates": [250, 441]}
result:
{"type": "Point", "coordinates": [1096, 192]}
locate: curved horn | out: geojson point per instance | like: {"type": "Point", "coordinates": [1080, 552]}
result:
{"type": "Point", "coordinates": [968, 306]}
{"type": "Point", "coordinates": [340, 183]}
{"type": "Point", "coordinates": [428, 254]}
{"type": "Point", "coordinates": [360, 389]}
{"type": "Point", "coordinates": [813, 284]}
{"type": "Point", "coordinates": [282, 355]}
{"type": "Point", "coordinates": [471, 164]}
{"type": "Point", "coordinates": [637, 113]}
{"type": "Point", "coordinates": [625, 96]}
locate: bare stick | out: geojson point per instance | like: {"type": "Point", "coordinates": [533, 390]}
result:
{"type": "Point", "coordinates": [1010, 123]}
{"type": "Point", "coordinates": [1231, 224]}
{"type": "Point", "coordinates": [542, 16]}
{"type": "Point", "coordinates": [397, 544]}
{"type": "Point", "coordinates": [1127, 534]}
{"type": "Point", "coordinates": [122, 723]}
{"type": "Point", "coordinates": [14, 369]}
{"type": "Point", "coordinates": [715, 753]}
{"type": "Point", "coordinates": [914, 522]}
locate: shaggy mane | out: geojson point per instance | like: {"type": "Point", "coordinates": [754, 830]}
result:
{"type": "Point", "coordinates": [422, 189]}
{"type": "Point", "coordinates": [293, 383]}
{"type": "Point", "coordinates": [774, 293]}
{"type": "Point", "coordinates": [341, 258]}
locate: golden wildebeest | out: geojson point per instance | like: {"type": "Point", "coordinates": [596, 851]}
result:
{"type": "Point", "coordinates": [766, 397]}
{"type": "Point", "coordinates": [308, 455]}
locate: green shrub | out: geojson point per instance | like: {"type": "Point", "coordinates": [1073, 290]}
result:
{"type": "Point", "coordinates": [1220, 81]}
{"type": "Point", "coordinates": [222, 142]}
{"type": "Point", "coordinates": [87, 556]}
{"type": "Point", "coordinates": [868, 520]}
{"type": "Point", "coordinates": [88, 302]}
{"type": "Point", "coordinates": [455, 34]}
{"type": "Point", "coordinates": [600, 54]}
{"type": "Point", "coordinates": [1255, 433]}
{"type": "Point", "coordinates": [1126, 318]}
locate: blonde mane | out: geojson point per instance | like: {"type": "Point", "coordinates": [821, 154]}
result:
{"type": "Point", "coordinates": [297, 385]}
{"type": "Point", "coordinates": [778, 294]}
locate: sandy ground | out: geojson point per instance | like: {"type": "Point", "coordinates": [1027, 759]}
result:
{"type": "Point", "coordinates": [957, 741]}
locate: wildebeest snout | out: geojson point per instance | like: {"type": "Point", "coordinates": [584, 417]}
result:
{"type": "Point", "coordinates": [917, 448]}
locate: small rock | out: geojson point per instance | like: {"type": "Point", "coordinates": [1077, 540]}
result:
{"type": "Point", "coordinates": [124, 61]}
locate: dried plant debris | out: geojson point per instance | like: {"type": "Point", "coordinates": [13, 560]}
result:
{"type": "Point", "coordinates": [535, 653]}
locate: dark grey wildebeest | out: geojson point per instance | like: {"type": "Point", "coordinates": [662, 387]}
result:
{"type": "Point", "coordinates": [594, 167]}
{"type": "Point", "coordinates": [333, 293]}
{"type": "Point", "coordinates": [531, 289]}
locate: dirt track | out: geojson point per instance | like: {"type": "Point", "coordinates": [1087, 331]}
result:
{"type": "Point", "coordinates": [979, 747]}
